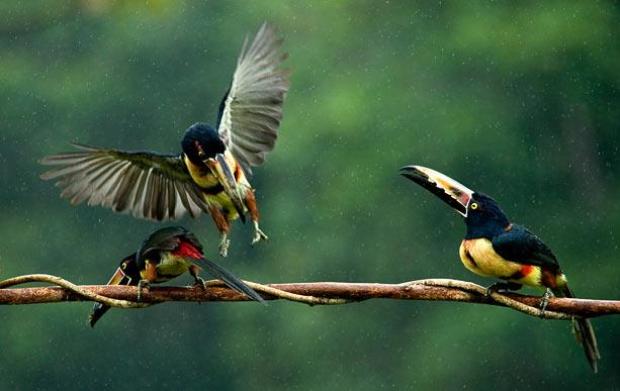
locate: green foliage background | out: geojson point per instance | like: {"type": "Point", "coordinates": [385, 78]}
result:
{"type": "Point", "coordinates": [515, 99]}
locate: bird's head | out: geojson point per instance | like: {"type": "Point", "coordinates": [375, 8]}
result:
{"type": "Point", "coordinates": [202, 142]}
{"type": "Point", "coordinates": [483, 216]}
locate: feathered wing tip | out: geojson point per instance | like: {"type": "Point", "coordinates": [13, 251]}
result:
{"type": "Point", "coordinates": [231, 280]}
{"type": "Point", "coordinates": [584, 332]}
{"type": "Point", "coordinates": [251, 111]}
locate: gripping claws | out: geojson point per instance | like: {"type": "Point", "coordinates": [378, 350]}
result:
{"type": "Point", "coordinates": [258, 234]}
{"type": "Point", "coordinates": [224, 244]}
{"type": "Point", "coordinates": [142, 284]}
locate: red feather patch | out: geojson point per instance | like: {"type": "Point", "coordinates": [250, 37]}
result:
{"type": "Point", "coordinates": [526, 269]}
{"type": "Point", "coordinates": [187, 250]}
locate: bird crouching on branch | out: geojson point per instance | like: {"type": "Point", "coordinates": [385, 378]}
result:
{"type": "Point", "coordinates": [166, 254]}
{"type": "Point", "coordinates": [211, 173]}
{"type": "Point", "coordinates": [495, 247]}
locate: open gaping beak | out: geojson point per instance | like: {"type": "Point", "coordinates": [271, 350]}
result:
{"type": "Point", "coordinates": [447, 189]}
{"type": "Point", "coordinates": [99, 309]}
{"type": "Point", "coordinates": [220, 168]}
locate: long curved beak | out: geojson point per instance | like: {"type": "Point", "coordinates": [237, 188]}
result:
{"type": "Point", "coordinates": [224, 175]}
{"type": "Point", "coordinates": [118, 278]}
{"type": "Point", "coordinates": [447, 189]}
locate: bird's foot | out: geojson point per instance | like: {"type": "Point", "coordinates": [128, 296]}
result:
{"type": "Point", "coordinates": [544, 301]}
{"type": "Point", "coordinates": [258, 234]}
{"type": "Point", "coordinates": [503, 286]}
{"type": "Point", "coordinates": [224, 244]}
{"type": "Point", "coordinates": [200, 282]}
{"type": "Point", "coordinates": [142, 284]}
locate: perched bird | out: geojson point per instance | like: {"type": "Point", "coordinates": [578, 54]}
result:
{"type": "Point", "coordinates": [495, 247]}
{"type": "Point", "coordinates": [211, 173]}
{"type": "Point", "coordinates": [166, 254]}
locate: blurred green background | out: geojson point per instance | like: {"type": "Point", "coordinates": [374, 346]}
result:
{"type": "Point", "coordinates": [515, 99]}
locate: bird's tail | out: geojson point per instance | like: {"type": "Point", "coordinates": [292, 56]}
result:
{"type": "Point", "coordinates": [584, 332]}
{"type": "Point", "coordinates": [230, 279]}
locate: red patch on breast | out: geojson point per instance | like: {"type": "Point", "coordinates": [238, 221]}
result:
{"type": "Point", "coordinates": [526, 269]}
{"type": "Point", "coordinates": [187, 250]}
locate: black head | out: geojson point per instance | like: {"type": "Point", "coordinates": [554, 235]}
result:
{"type": "Point", "coordinates": [200, 142]}
{"type": "Point", "coordinates": [485, 218]}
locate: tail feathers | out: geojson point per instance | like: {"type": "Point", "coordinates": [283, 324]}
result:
{"type": "Point", "coordinates": [229, 279]}
{"type": "Point", "coordinates": [584, 332]}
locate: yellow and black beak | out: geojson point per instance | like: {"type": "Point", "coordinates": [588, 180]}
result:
{"type": "Point", "coordinates": [447, 189]}
{"type": "Point", "coordinates": [99, 309]}
{"type": "Point", "coordinates": [224, 175]}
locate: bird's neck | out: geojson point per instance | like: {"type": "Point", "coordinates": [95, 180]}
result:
{"type": "Point", "coordinates": [486, 229]}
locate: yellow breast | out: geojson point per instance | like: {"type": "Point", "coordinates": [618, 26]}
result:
{"type": "Point", "coordinates": [479, 257]}
{"type": "Point", "coordinates": [205, 179]}
{"type": "Point", "coordinates": [170, 266]}
{"type": "Point", "coordinates": [202, 177]}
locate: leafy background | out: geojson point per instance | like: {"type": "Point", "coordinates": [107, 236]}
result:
{"type": "Point", "coordinates": [518, 100]}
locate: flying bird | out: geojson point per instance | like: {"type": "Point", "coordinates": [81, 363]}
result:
{"type": "Point", "coordinates": [495, 247]}
{"type": "Point", "coordinates": [211, 173]}
{"type": "Point", "coordinates": [166, 254]}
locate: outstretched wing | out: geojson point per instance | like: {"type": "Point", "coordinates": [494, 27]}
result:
{"type": "Point", "coordinates": [522, 246]}
{"type": "Point", "coordinates": [251, 111]}
{"type": "Point", "coordinates": [148, 185]}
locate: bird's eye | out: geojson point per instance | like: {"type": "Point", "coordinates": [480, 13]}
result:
{"type": "Point", "coordinates": [123, 266]}
{"type": "Point", "coordinates": [473, 206]}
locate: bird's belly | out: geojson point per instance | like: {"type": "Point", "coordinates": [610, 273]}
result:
{"type": "Point", "coordinates": [223, 201]}
{"type": "Point", "coordinates": [479, 257]}
{"type": "Point", "coordinates": [171, 266]}
{"type": "Point", "coordinates": [203, 178]}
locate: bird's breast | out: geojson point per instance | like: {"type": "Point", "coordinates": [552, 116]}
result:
{"type": "Point", "coordinates": [479, 257]}
{"type": "Point", "coordinates": [213, 191]}
{"type": "Point", "coordinates": [171, 266]}
{"type": "Point", "coordinates": [201, 176]}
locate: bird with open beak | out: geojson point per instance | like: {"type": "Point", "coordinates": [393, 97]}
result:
{"type": "Point", "coordinates": [495, 247]}
{"type": "Point", "coordinates": [166, 254]}
{"type": "Point", "coordinates": [211, 173]}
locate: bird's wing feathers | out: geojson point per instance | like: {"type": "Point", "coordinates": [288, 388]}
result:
{"type": "Point", "coordinates": [251, 110]}
{"type": "Point", "coordinates": [521, 246]}
{"type": "Point", "coordinates": [148, 185]}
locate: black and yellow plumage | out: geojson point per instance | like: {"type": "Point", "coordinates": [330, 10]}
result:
{"type": "Point", "coordinates": [210, 175]}
{"type": "Point", "coordinates": [495, 247]}
{"type": "Point", "coordinates": [166, 254]}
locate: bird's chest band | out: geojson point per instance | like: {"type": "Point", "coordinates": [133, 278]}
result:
{"type": "Point", "coordinates": [479, 257]}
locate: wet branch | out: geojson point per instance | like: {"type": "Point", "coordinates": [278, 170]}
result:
{"type": "Point", "coordinates": [313, 293]}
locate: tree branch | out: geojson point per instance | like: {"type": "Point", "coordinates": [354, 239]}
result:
{"type": "Point", "coordinates": [313, 293]}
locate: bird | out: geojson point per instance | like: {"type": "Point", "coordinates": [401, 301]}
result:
{"type": "Point", "coordinates": [495, 247]}
{"type": "Point", "coordinates": [211, 173]}
{"type": "Point", "coordinates": [165, 254]}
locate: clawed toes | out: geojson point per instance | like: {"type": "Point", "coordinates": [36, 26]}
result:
{"type": "Point", "coordinates": [224, 248]}
{"type": "Point", "coordinates": [258, 236]}
{"type": "Point", "coordinates": [201, 283]}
